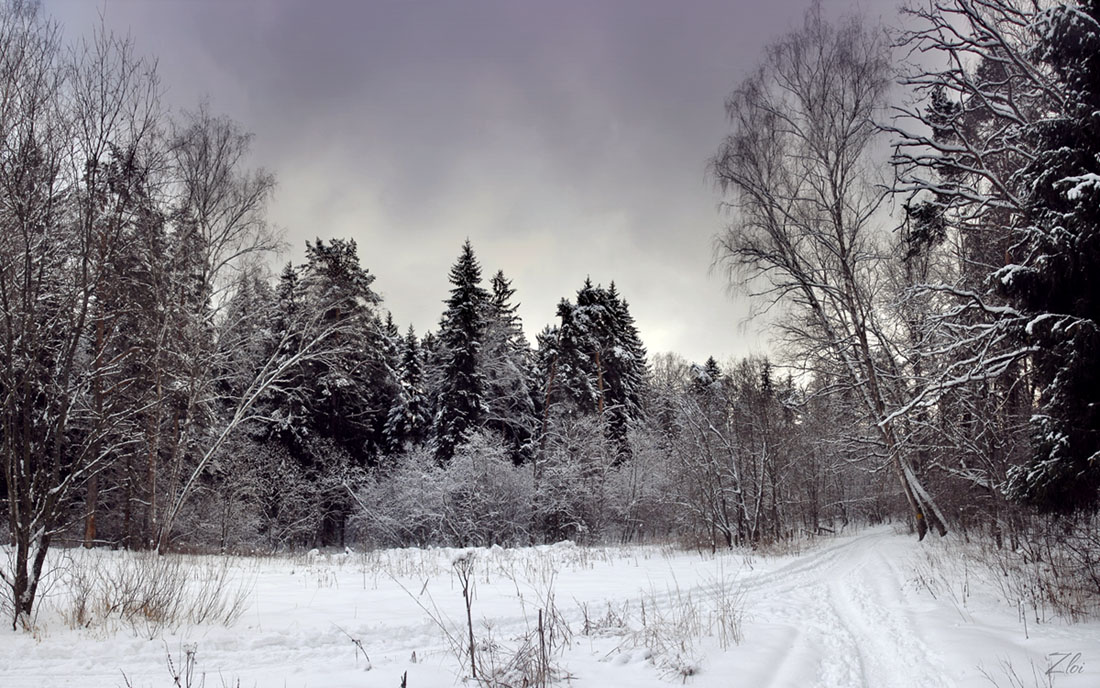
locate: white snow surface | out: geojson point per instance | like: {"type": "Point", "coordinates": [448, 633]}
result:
{"type": "Point", "coordinates": [875, 608]}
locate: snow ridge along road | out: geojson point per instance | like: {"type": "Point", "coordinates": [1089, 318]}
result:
{"type": "Point", "coordinates": [876, 609]}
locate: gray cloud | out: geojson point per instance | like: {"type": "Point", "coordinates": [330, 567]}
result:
{"type": "Point", "coordinates": [565, 139]}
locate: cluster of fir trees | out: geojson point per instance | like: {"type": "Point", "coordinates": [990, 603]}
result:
{"type": "Point", "coordinates": [375, 395]}
{"type": "Point", "coordinates": [155, 386]}
{"type": "Point", "coordinates": [594, 362]}
{"type": "Point", "coordinates": [478, 371]}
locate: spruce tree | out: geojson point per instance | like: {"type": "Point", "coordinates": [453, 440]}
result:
{"type": "Point", "coordinates": [408, 421]}
{"type": "Point", "coordinates": [344, 398]}
{"type": "Point", "coordinates": [1056, 275]}
{"type": "Point", "coordinates": [350, 392]}
{"type": "Point", "coordinates": [287, 406]}
{"type": "Point", "coordinates": [461, 330]}
{"type": "Point", "coordinates": [594, 361]}
{"type": "Point", "coordinates": [507, 366]}
{"type": "Point", "coordinates": [707, 376]}
{"type": "Point", "coordinates": [626, 369]}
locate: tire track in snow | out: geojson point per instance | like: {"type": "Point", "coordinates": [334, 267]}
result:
{"type": "Point", "coordinates": [810, 565]}
{"type": "Point", "coordinates": [849, 618]}
{"type": "Point", "coordinates": [867, 599]}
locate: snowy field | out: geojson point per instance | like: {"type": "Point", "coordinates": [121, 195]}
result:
{"type": "Point", "coordinates": [874, 609]}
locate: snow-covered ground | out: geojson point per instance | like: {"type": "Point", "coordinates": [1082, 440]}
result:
{"type": "Point", "coordinates": [873, 609]}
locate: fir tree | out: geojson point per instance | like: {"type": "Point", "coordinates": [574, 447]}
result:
{"type": "Point", "coordinates": [346, 397]}
{"type": "Point", "coordinates": [508, 372]}
{"type": "Point", "coordinates": [705, 378]}
{"type": "Point", "coordinates": [1056, 278]}
{"type": "Point", "coordinates": [626, 369]}
{"type": "Point", "coordinates": [461, 330]}
{"type": "Point", "coordinates": [287, 406]}
{"type": "Point", "coordinates": [594, 361]}
{"type": "Point", "coordinates": [408, 421]}
{"type": "Point", "coordinates": [389, 328]}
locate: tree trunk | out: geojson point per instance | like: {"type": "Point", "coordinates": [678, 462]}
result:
{"type": "Point", "coordinates": [89, 511]}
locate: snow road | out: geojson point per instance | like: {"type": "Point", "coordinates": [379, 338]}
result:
{"type": "Point", "coordinates": [855, 613]}
{"type": "Point", "coordinates": [875, 609]}
{"type": "Point", "coordinates": [843, 620]}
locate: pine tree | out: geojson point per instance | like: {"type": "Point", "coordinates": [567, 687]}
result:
{"type": "Point", "coordinates": [462, 406]}
{"type": "Point", "coordinates": [594, 361]}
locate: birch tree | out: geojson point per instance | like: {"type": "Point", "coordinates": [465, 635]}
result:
{"type": "Point", "coordinates": [806, 233]}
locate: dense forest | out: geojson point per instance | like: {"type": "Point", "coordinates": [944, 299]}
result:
{"type": "Point", "coordinates": [925, 239]}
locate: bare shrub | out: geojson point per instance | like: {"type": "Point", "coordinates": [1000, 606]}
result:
{"type": "Point", "coordinates": [1052, 572]}
{"type": "Point", "coordinates": [1055, 570]}
{"type": "Point", "coordinates": [668, 625]}
{"type": "Point", "coordinates": [183, 669]}
{"type": "Point", "coordinates": [1006, 674]}
{"type": "Point", "coordinates": [669, 630]}
{"type": "Point", "coordinates": [610, 622]}
{"type": "Point", "coordinates": [525, 660]}
{"type": "Point", "coordinates": [150, 592]}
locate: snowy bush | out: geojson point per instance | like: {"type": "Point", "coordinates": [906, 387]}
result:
{"type": "Point", "coordinates": [258, 496]}
{"type": "Point", "coordinates": [402, 506]}
{"type": "Point", "coordinates": [572, 491]}
{"type": "Point", "coordinates": [479, 497]}
{"type": "Point", "coordinates": [641, 492]}
{"type": "Point", "coordinates": [487, 499]}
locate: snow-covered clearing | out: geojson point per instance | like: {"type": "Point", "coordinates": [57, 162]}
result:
{"type": "Point", "coordinates": [873, 609]}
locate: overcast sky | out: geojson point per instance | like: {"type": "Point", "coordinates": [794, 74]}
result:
{"type": "Point", "coordinates": [565, 138]}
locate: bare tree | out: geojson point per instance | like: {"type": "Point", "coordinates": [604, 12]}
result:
{"type": "Point", "coordinates": [704, 453]}
{"type": "Point", "coordinates": [216, 214]}
{"type": "Point", "coordinates": [806, 233]}
{"type": "Point", "coordinates": [116, 146]}
{"type": "Point", "coordinates": [62, 120]}
{"type": "Point", "coordinates": [311, 340]}
{"type": "Point", "coordinates": [118, 247]}
{"type": "Point", "coordinates": [958, 148]}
